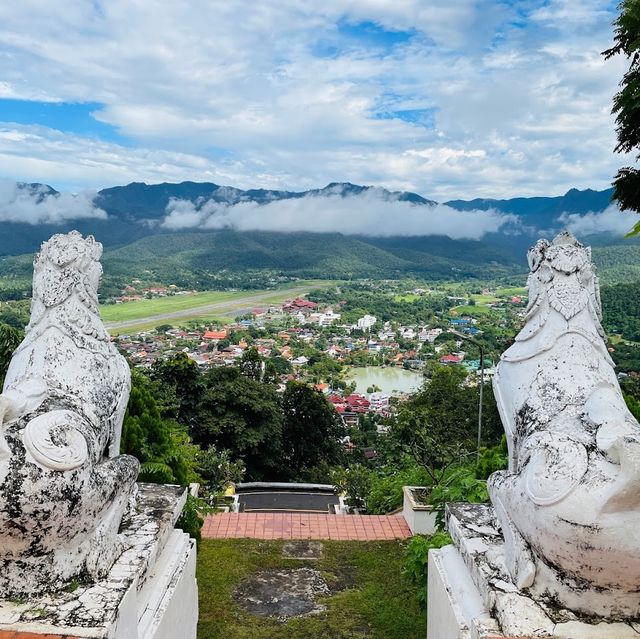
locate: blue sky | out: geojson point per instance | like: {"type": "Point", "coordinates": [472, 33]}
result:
{"type": "Point", "coordinates": [472, 98]}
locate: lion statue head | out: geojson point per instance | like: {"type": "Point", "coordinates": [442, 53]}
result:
{"type": "Point", "coordinates": [67, 264]}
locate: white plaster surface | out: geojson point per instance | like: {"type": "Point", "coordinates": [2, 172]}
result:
{"type": "Point", "coordinates": [149, 593]}
{"type": "Point", "coordinates": [569, 503]}
{"type": "Point", "coordinates": [474, 569]}
{"type": "Point", "coordinates": [456, 609]}
{"type": "Point", "coordinates": [420, 518]}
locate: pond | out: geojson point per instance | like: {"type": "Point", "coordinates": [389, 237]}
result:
{"type": "Point", "coordinates": [390, 379]}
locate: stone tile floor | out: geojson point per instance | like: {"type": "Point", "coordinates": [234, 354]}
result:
{"type": "Point", "coordinates": [305, 526]}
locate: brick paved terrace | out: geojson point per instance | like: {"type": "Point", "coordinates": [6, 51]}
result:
{"type": "Point", "coordinates": [305, 526]}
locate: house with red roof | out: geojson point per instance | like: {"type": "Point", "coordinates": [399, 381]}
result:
{"type": "Point", "coordinates": [215, 335]}
{"type": "Point", "coordinates": [358, 403]}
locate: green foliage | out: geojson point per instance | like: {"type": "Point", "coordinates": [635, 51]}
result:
{"type": "Point", "coordinates": [281, 366]}
{"type": "Point", "coordinates": [165, 452]}
{"type": "Point", "coordinates": [10, 339]}
{"type": "Point", "coordinates": [311, 430]}
{"type": "Point", "coordinates": [244, 416]}
{"type": "Point", "coordinates": [633, 404]}
{"type": "Point", "coordinates": [626, 105]}
{"type": "Point", "coordinates": [366, 300]}
{"type": "Point", "coordinates": [438, 425]}
{"type": "Point", "coordinates": [385, 493]}
{"type": "Point", "coordinates": [355, 482]}
{"type": "Point", "coordinates": [180, 380]}
{"type": "Point", "coordinates": [631, 392]}
{"type": "Point", "coordinates": [417, 561]}
{"type": "Point", "coordinates": [251, 364]}
{"type": "Point", "coordinates": [621, 310]}
{"type": "Point", "coordinates": [627, 357]}
{"type": "Point", "coordinates": [459, 484]}
{"type": "Point", "coordinates": [492, 459]}
{"type": "Point", "coordinates": [218, 469]}
{"type": "Point", "coordinates": [15, 314]}
{"type": "Point", "coordinates": [192, 517]}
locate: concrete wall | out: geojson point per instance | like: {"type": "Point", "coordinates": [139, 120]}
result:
{"type": "Point", "coordinates": [421, 519]}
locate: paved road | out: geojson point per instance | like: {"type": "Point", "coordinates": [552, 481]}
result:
{"type": "Point", "coordinates": [228, 307]}
{"type": "Point", "coordinates": [287, 502]}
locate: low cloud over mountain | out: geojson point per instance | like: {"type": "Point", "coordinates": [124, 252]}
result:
{"type": "Point", "coordinates": [363, 214]}
{"type": "Point", "coordinates": [612, 220]}
{"type": "Point", "coordinates": [40, 204]}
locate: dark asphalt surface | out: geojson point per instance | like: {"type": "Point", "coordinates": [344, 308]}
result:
{"type": "Point", "coordinates": [287, 502]}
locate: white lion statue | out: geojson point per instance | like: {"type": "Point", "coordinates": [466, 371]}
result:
{"type": "Point", "coordinates": [64, 488]}
{"type": "Point", "coordinates": [569, 504]}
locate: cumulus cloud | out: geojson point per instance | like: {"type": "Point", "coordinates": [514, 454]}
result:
{"type": "Point", "coordinates": [365, 214]}
{"type": "Point", "coordinates": [286, 95]}
{"type": "Point", "coordinates": [612, 220]}
{"type": "Point", "coordinates": [37, 205]}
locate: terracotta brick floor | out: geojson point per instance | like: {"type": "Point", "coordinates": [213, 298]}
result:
{"type": "Point", "coordinates": [305, 526]}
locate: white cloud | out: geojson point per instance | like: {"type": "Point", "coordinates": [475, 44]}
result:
{"type": "Point", "coordinates": [37, 205]}
{"type": "Point", "coordinates": [365, 214]}
{"type": "Point", "coordinates": [247, 93]}
{"type": "Point", "coordinates": [612, 220]}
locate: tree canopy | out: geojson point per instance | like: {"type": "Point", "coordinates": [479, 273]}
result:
{"type": "Point", "coordinates": [626, 104]}
{"type": "Point", "coordinates": [10, 339]}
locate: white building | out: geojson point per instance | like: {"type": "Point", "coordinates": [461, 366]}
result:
{"type": "Point", "coordinates": [379, 402]}
{"type": "Point", "coordinates": [431, 335]}
{"type": "Point", "coordinates": [366, 322]}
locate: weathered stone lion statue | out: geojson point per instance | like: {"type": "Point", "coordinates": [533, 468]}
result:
{"type": "Point", "coordinates": [569, 504]}
{"type": "Point", "coordinates": [63, 485]}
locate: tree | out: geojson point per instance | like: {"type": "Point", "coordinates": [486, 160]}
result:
{"type": "Point", "coordinates": [243, 416]}
{"type": "Point", "coordinates": [251, 364]}
{"type": "Point", "coordinates": [311, 431]}
{"type": "Point", "coordinates": [438, 425]}
{"type": "Point", "coordinates": [10, 339]}
{"type": "Point", "coordinates": [626, 104]}
{"type": "Point", "coordinates": [355, 482]}
{"type": "Point", "coordinates": [280, 365]}
{"type": "Point", "coordinates": [164, 450]}
{"type": "Point", "coordinates": [181, 383]}
{"type": "Point", "coordinates": [218, 468]}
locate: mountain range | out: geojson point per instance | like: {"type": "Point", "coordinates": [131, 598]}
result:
{"type": "Point", "coordinates": [131, 226]}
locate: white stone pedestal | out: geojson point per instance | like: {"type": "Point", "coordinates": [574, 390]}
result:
{"type": "Point", "coordinates": [150, 592]}
{"type": "Point", "coordinates": [471, 596]}
{"type": "Point", "coordinates": [421, 518]}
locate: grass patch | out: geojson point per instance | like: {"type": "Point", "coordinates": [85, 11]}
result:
{"type": "Point", "coordinates": [170, 304]}
{"type": "Point", "coordinates": [141, 327]}
{"type": "Point", "coordinates": [408, 297]}
{"type": "Point", "coordinates": [509, 291]}
{"type": "Point", "coordinates": [371, 598]}
{"type": "Point", "coordinates": [198, 306]}
{"type": "Point", "coordinates": [485, 299]}
{"type": "Point", "coordinates": [472, 311]}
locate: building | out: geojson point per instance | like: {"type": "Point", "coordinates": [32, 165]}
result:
{"type": "Point", "coordinates": [379, 402]}
{"type": "Point", "coordinates": [366, 322]}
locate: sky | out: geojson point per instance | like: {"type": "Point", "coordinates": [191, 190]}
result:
{"type": "Point", "coordinates": [447, 98]}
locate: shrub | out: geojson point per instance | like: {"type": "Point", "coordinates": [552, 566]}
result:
{"type": "Point", "coordinates": [417, 559]}
{"type": "Point", "coordinates": [385, 493]}
{"type": "Point", "coordinates": [192, 518]}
